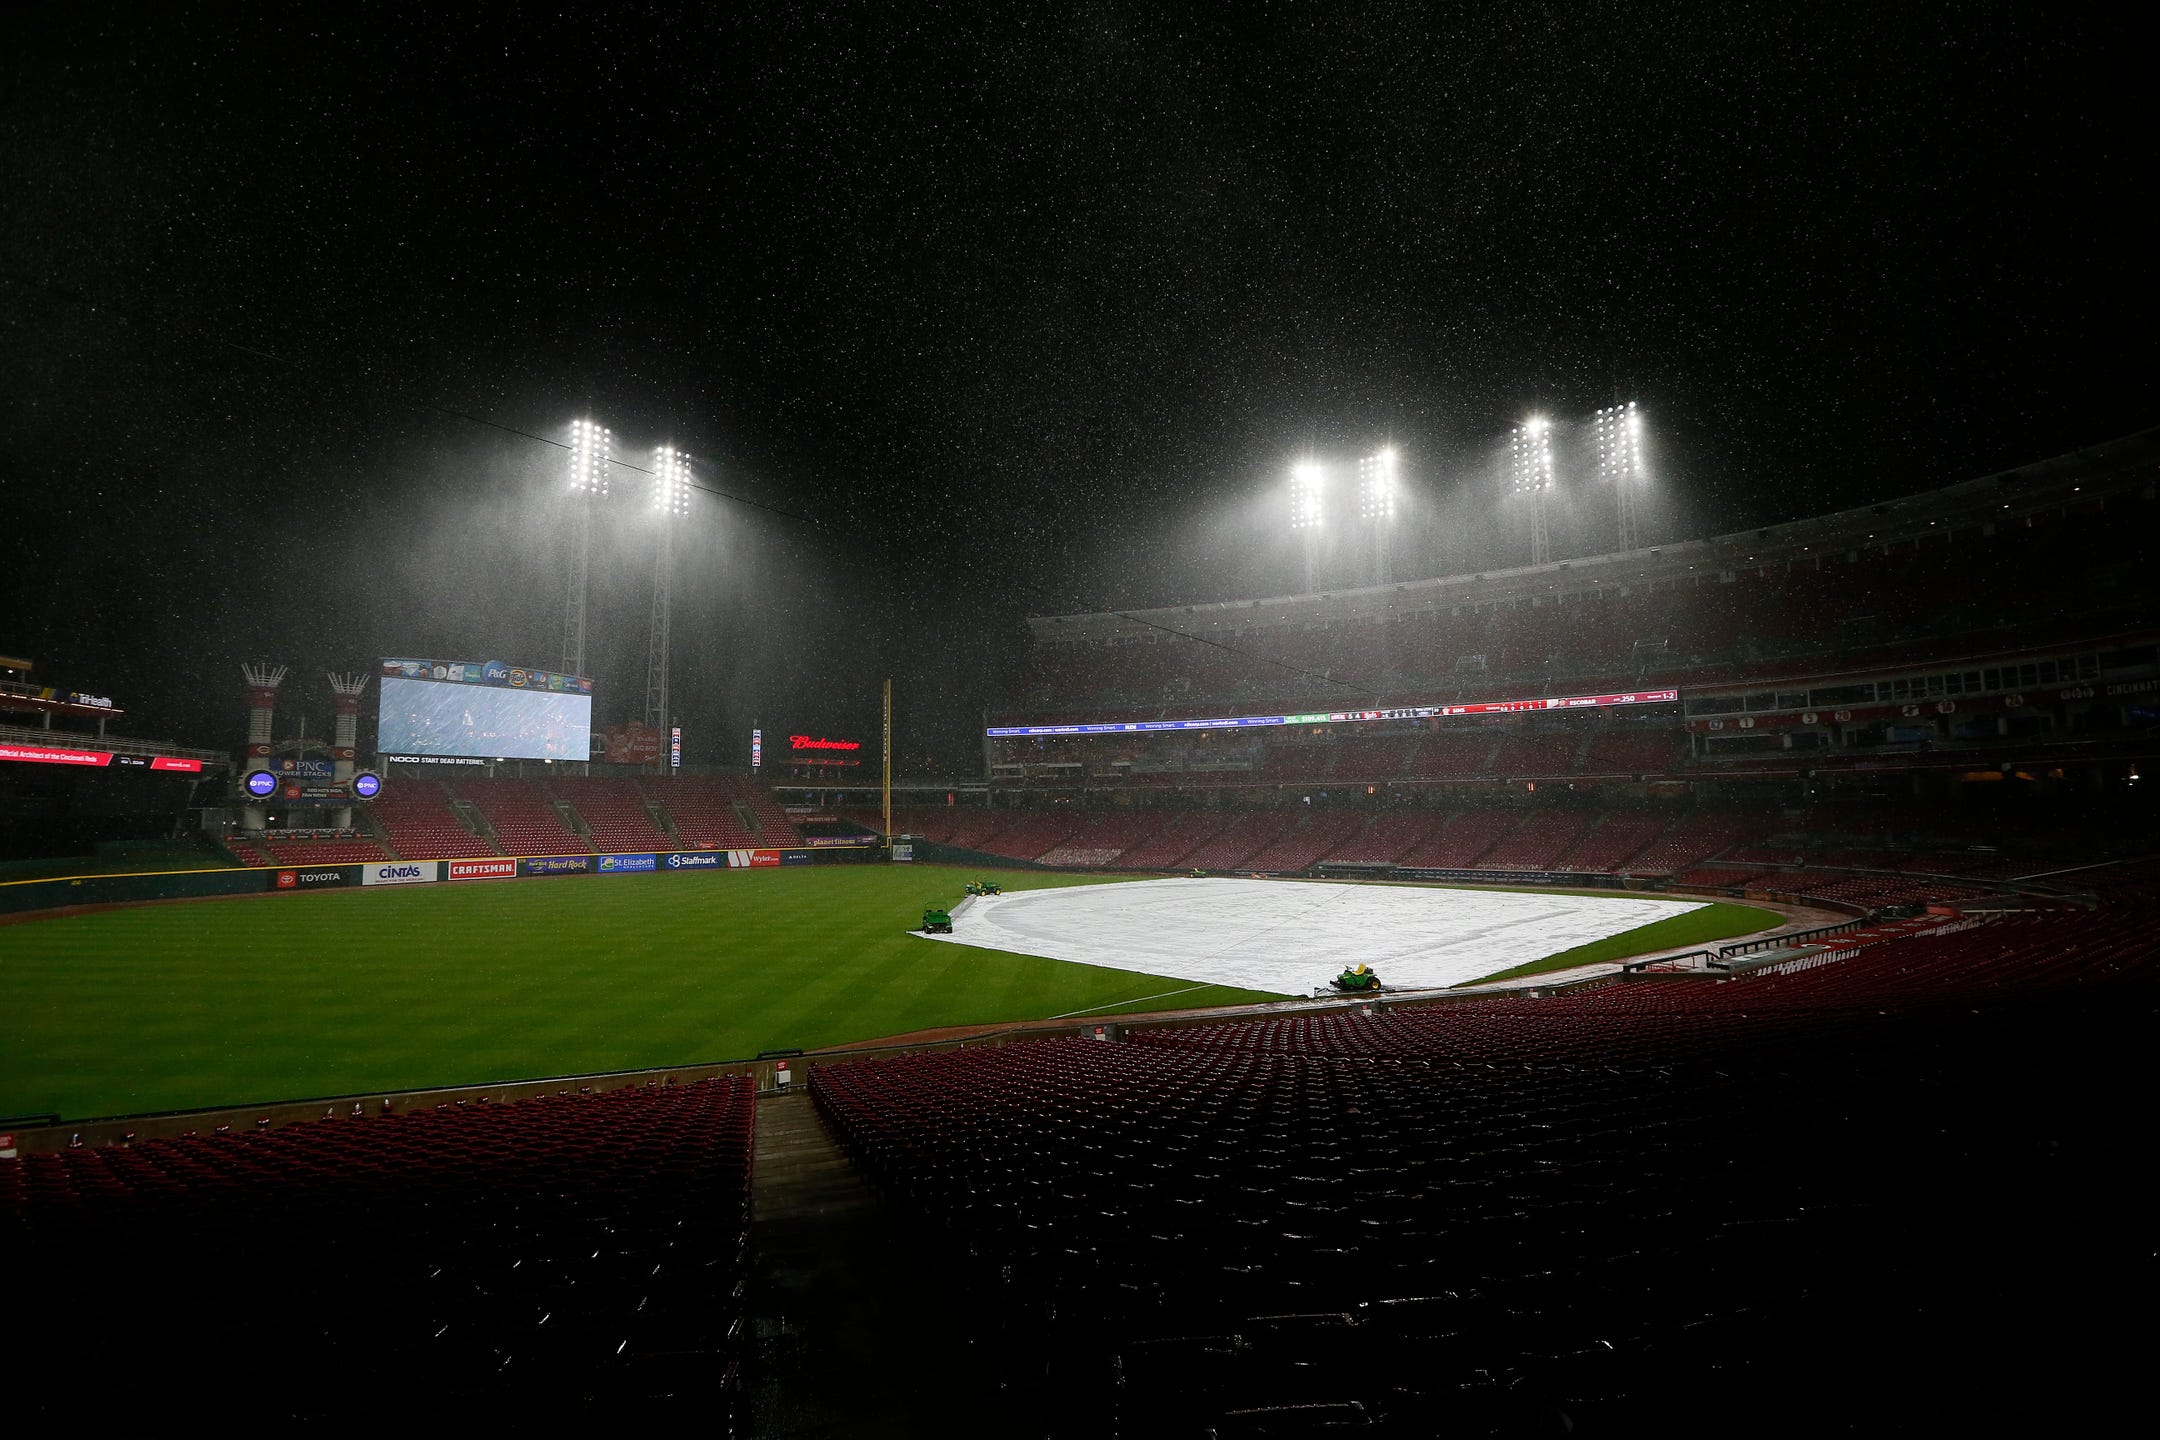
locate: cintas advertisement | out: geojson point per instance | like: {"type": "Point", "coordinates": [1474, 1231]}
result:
{"type": "Point", "coordinates": [401, 872]}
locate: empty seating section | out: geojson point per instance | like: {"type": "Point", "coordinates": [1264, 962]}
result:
{"type": "Point", "coordinates": [704, 813]}
{"type": "Point", "coordinates": [417, 818]}
{"type": "Point", "coordinates": [614, 813]}
{"type": "Point", "coordinates": [1032, 834]}
{"type": "Point", "coordinates": [1536, 753]}
{"type": "Point", "coordinates": [323, 852]}
{"type": "Point", "coordinates": [1608, 847]}
{"type": "Point", "coordinates": [1454, 755]}
{"type": "Point", "coordinates": [522, 816]}
{"type": "Point", "coordinates": [248, 852]}
{"type": "Point", "coordinates": [1695, 839]}
{"type": "Point", "coordinates": [1103, 839]}
{"type": "Point", "coordinates": [1626, 750]}
{"type": "Point", "coordinates": [505, 1262]}
{"type": "Point", "coordinates": [1179, 837]}
{"type": "Point", "coordinates": [1303, 846]}
{"type": "Point", "coordinates": [1458, 844]}
{"type": "Point", "coordinates": [1468, 1217]}
{"type": "Point", "coordinates": [1537, 843]}
{"type": "Point", "coordinates": [773, 825]}
{"type": "Point", "coordinates": [1388, 838]}
{"type": "Point", "coordinates": [1246, 836]}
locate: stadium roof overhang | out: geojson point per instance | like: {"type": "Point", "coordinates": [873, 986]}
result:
{"type": "Point", "coordinates": [2085, 477]}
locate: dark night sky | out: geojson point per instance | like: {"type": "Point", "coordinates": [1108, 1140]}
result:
{"type": "Point", "coordinates": [1029, 306]}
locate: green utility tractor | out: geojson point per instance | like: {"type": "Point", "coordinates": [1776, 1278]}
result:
{"type": "Point", "coordinates": [984, 887]}
{"type": "Point", "coordinates": [936, 922]}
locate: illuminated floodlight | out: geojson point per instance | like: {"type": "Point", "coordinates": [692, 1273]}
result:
{"type": "Point", "coordinates": [590, 444]}
{"type": "Point", "coordinates": [1530, 461]}
{"type": "Point", "coordinates": [1376, 486]}
{"type": "Point", "coordinates": [1617, 431]}
{"type": "Point", "coordinates": [1307, 482]}
{"type": "Point", "coordinates": [671, 481]}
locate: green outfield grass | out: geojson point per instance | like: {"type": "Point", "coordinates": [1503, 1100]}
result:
{"type": "Point", "coordinates": [1715, 921]}
{"type": "Point", "coordinates": [231, 1002]}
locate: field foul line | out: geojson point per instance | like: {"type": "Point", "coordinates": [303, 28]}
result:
{"type": "Point", "coordinates": [1206, 985]}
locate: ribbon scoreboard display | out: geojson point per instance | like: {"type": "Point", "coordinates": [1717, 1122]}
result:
{"type": "Point", "coordinates": [1343, 717]}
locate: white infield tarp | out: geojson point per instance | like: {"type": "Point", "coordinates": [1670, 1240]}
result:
{"type": "Point", "coordinates": [1288, 937]}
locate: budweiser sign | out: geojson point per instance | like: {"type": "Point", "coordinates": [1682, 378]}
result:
{"type": "Point", "coordinates": [806, 742]}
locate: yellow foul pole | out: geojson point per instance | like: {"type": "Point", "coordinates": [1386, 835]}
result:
{"type": "Point", "coordinates": [888, 769]}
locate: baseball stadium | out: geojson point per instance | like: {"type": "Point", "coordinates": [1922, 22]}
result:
{"type": "Point", "coordinates": [1677, 977]}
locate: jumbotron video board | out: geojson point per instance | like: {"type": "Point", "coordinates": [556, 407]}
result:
{"type": "Point", "coordinates": [482, 708]}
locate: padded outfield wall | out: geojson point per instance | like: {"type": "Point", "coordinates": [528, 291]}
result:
{"type": "Point", "coordinates": [28, 896]}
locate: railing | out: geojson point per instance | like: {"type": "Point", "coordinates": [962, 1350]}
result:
{"type": "Point", "coordinates": [1796, 937]}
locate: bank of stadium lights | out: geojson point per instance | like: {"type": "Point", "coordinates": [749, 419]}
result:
{"type": "Point", "coordinates": [1530, 471]}
{"type": "Point", "coordinates": [1376, 486]}
{"type": "Point", "coordinates": [590, 450]}
{"type": "Point", "coordinates": [1617, 431]}
{"type": "Point", "coordinates": [671, 481]}
{"type": "Point", "coordinates": [1308, 482]}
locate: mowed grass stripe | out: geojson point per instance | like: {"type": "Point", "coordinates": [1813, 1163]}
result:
{"type": "Point", "coordinates": [337, 992]}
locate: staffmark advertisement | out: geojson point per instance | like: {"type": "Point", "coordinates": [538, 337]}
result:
{"type": "Point", "coordinates": [625, 864]}
{"type": "Point", "coordinates": [401, 872]}
{"type": "Point", "coordinates": [695, 860]}
{"type": "Point", "coordinates": [483, 869]}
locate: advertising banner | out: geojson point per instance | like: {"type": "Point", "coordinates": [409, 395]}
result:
{"type": "Point", "coordinates": [502, 869]}
{"type": "Point", "coordinates": [313, 879]}
{"type": "Point", "coordinates": [836, 842]}
{"type": "Point", "coordinates": [64, 755]}
{"type": "Point", "coordinates": [401, 872]}
{"type": "Point", "coordinates": [903, 851]}
{"type": "Point", "coordinates": [751, 859]}
{"type": "Point", "coordinates": [1344, 717]}
{"type": "Point", "coordinates": [626, 864]}
{"type": "Point", "coordinates": [695, 860]}
{"type": "Point", "coordinates": [795, 857]}
{"type": "Point", "coordinates": [556, 865]}
{"type": "Point", "coordinates": [322, 770]}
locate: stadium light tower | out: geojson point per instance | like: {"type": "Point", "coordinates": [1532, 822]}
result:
{"type": "Point", "coordinates": [1530, 474]}
{"type": "Point", "coordinates": [1376, 506]}
{"type": "Point", "coordinates": [589, 447]}
{"type": "Point", "coordinates": [1308, 487]}
{"type": "Point", "coordinates": [1618, 430]}
{"type": "Point", "coordinates": [670, 502]}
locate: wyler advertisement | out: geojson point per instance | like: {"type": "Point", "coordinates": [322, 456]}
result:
{"type": "Point", "coordinates": [556, 865]}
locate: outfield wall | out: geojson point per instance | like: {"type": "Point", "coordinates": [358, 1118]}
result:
{"type": "Point", "coordinates": [28, 896]}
